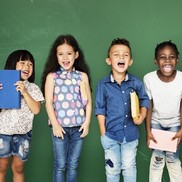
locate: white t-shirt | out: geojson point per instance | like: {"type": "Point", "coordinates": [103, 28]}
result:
{"type": "Point", "coordinates": [166, 98]}
{"type": "Point", "coordinates": [20, 121]}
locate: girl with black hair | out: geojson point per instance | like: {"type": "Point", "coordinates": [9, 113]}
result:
{"type": "Point", "coordinates": [16, 124]}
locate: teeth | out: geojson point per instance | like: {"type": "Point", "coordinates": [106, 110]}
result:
{"type": "Point", "coordinates": [167, 68]}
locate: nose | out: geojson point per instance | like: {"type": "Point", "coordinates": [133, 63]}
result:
{"type": "Point", "coordinates": [168, 59]}
{"type": "Point", "coordinates": [65, 56]}
{"type": "Point", "coordinates": [27, 65]}
{"type": "Point", "coordinates": [121, 56]}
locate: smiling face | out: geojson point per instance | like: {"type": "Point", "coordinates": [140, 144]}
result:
{"type": "Point", "coordinates": [119, 58]}
{"type": "Point", "coordinates": [26, 68]}
{"type": "Point", "coordinates": [166, 60]}
{"type": "Point", "coordinates": [66, 56]}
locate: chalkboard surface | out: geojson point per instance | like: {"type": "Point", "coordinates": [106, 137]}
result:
{"type": "Point", "coordinates": [34, 25]}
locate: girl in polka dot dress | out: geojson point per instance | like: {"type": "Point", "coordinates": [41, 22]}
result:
{"type": "Point", "coordinates": [65, 84]}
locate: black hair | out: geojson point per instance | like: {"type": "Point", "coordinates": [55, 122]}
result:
{"type": "Point", "coordinates": [164, 44]}
{"type": "Point", "coordinates": [119, 41]}
{"type": "Point", "coordinates": [52, 64]}
{"type": "Point", "coordinates": [20, 55]}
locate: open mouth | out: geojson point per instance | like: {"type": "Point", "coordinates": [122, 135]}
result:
{"type": "Point", "coordinates": [25, 73]}
{"type": "Point", "coordinates": [121, 64]}
{"type": "Point", "coordinates": [168, 68]}
{"type": "Point", "coordinates": [66, 63]}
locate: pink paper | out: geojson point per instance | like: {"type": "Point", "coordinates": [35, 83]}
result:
{"type": "Point", "coordinates": [164, 140]}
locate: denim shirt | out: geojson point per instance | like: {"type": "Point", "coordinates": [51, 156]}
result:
{"type": "Point", "coordinates": [113, 101]}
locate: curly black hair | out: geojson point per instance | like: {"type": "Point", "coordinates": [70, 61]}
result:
{"type": "Point", "coordinates": [164, 44]}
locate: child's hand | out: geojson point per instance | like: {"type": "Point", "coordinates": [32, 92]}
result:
{"type": "Point", "coordinates": [139, 120]}
{"type": "Point", "coordinates": [58, 131]}
{"type": "Point", "coordinates": [150, 136]}
{"type": "Point", "coordinates": [85, 129]}
{"type": "Point", "coordinates": [178, 136]}
{"type": "Point", "coordinates": [1, 86]}
{"type": "Point", "coordinates": [20, 87]}
{"type": "Point", "coordinates": [141, 116]}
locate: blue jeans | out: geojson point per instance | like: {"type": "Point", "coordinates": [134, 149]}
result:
{"type": "Point", "coordinates": [120, 156]}
{"type": "Point", "coordinates": [66, 155]}
{"type": "Point", "coordinates": [159, 158]}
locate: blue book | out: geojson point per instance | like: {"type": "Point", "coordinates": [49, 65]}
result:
{"type": "Point", "coordinates": [9, 96]}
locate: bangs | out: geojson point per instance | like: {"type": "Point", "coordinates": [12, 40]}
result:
{"type": "Point", "coordinates": [26, 56]}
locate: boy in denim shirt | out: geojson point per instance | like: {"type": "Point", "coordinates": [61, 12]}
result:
{"type": "Point", "coordinates": [119, 133]}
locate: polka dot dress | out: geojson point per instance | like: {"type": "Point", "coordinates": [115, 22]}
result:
{"type": "Point", "coordinates": [68, 105]}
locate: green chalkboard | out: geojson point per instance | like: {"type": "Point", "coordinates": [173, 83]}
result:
{"type": "Point", "coordinates": [34, 25]}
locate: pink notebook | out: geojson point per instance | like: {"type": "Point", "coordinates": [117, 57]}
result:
{"type": "Point", "coordinates": [164, 141]}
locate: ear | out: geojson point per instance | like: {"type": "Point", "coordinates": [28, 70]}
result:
{"type": "Point", "coordinates": [76, 55]}
{"type": "Point", "coordinates": [131, 62]}
{"type": "Point", "coordinates": [155, 61]}
{"type": "Point", "coordinates": [108, 61]}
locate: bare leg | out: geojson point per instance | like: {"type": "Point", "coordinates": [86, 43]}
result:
{"type": "Point", "coordinates": [18, 169]}
{"type": "Point", "coordinates": [4, 162]}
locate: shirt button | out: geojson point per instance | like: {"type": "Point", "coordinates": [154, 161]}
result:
{"type": "Point", "coordinates": [124, 126]}
{"type": "Point", "coordinates": [126, 116]}
{"type": "Point", "coordinates": [123, 92]}
{"type": "Point", "coordinates": [125, 103]}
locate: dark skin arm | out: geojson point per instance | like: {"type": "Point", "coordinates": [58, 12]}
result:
{"type": "Point", "coordinates": [148, 124]}
{"type": "Point", "coordinates": [179, 133]}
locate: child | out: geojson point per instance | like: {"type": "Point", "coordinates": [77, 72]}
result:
{"type": "Point", "coordinates": [16, 124]}
{"type": "Point", "coordinates": [164, 88]}
{"type": "Point", "coordinates": [68, 108]}
{"type": "Point", "coordinates": [119, 133]}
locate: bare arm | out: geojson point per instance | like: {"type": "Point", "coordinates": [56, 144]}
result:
{"type": "Point", "coordinates": [179, 133]}
{"type": "Point", "coordinates": [148, 124]}
{"type": "Point", "coordinates": [101, 121]}
{"type": "Point", "coordinates": [49, 88]}
{"type": "Point", "coordinates": [86, 124]}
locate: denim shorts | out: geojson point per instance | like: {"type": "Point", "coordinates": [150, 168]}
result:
{"type": "Point", "coordinates": [18, 144]}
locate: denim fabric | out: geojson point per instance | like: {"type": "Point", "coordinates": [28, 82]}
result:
{"type": "Point", "coordinates": [66, 155]}
{"type": "Point", "coordinates": [120, 156]}
{"type": "Point", "coordinates": [159, 158]}
{"type": "Point", "coordinates": [18, 145]}
{"type": "Point", "coordinates": [113, 101]}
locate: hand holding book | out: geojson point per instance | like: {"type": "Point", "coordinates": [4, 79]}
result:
{"type": "Point", "coordinates": [164, 140]}
{"type": "Point", "coordinates": [138, 113]}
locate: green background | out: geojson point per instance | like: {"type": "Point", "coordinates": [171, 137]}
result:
{"type": "Point", "coordinates": [34, 25]}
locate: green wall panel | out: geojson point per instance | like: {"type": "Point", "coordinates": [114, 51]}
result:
{"type": "Point", "coordinates": [34, 25]}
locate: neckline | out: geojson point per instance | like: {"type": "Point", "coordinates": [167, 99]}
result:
{"type": "Point", "coordinates": [167, 80]}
